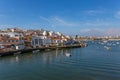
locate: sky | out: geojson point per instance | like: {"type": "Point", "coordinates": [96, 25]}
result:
{"type": "Point", "coordinates": [81, 17]}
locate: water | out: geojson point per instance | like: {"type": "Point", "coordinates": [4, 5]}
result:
{"type": "Point", "coordinates": [91, 63]}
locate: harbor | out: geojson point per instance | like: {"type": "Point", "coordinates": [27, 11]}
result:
{"type": "Point", "coordinates": [59, 39]}
{"type": "Point", "coordinates": [89, 63]}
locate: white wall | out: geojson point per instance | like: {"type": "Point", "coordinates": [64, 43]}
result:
{"type": "Point", "coordinates": [44, 41]}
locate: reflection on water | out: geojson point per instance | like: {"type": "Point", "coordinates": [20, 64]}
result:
{"type": "Point", "coordinates": [91, 63]}
{"type": "Point", "coordinates": [46, 57]}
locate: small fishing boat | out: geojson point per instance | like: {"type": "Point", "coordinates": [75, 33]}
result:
{"type": "Point", "coordinates": [35, 51]}
{"type": "Point", "coordinates": [117, 42]}
{"type": "Point", "coordinates": [68, 54]}
{"type": "Point", "coordinates": [105, 41]}
{"type": "Point", "coordinates": [106, 47]}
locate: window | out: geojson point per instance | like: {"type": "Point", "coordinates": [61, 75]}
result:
{"type": "Point", "coordinates": [36, 41]}
{"type": "Point", "coordinates": [12, 40]}
{"type": "Point", "coordinates": [16, 35]}
{"type": "Point", "coordinates": [40, 41]}
{"type": "Point", "coordinates": [32, 42]}
{"type": "Point", "coordinates": [8, 40]}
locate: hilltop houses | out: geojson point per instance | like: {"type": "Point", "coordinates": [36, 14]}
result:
{"type": "Point", "coordinates": [17, 39]}
{"type": "Point", "coordinates": [11, 40]}
{"type": "Point", "coordinates": [47, 38]}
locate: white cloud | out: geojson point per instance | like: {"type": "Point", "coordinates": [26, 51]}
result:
{"type": "Point", "coordinates": [61, 22]}
{"type": "Point", "coordinates": [44, 18]}
{"type": "Point", "coordinates": [57, 21]}
{"type": "Point", "coordinates": [6, 26]}
{"type": "Point", "coordinates": [97, 23]}
{"type": "Point", "coordinates": [93, 12]}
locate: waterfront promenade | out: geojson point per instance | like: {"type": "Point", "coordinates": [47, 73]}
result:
{"type": "Point", "coordinates": [41, 49]}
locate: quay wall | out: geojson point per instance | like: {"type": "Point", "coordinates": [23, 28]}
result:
{"type": "Point", "coordinates": [42, 48]}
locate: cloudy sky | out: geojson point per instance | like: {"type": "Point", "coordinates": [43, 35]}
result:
{"type": "Point", "coordinates": [83, 17]}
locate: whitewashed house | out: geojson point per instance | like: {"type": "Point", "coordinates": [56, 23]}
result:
{"type": "Point", "coordinates": [51, 33]}
{"type": "Point", "coordinates": [45, 33]}
{"type": "Point", "coordinates": [56, 41]}
{"type": "Point", "coordinates": [19, 37]}
{"type": "Point", "coordinates": [38, 41]}
{"type": "Point", "coordinates": [59, 34]}
{"type": "Point", "coordinates": [13, 38]}
{"type": "Point", "coordinates": [11, 42]}
{"type": "Point", "coordinates": [1, 46]}
{"type": "Point", "coordinates": [15, 35]}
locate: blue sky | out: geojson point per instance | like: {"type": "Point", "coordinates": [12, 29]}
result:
{"type": "Point", "coordinates": [67, 16]}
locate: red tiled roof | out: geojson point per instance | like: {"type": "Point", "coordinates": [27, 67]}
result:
{"type": "Point", "coordinates": [4, 38]}
{"type": "Point", "coordinates": [7, 41]}
{"type": "Point", "coordinates": [10, 43]}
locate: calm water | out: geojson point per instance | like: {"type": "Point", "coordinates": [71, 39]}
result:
{"type": "Point", "coordinates": [91, 63]}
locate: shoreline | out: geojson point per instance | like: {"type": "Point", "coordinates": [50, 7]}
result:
{"type": "Point", "coordinates": [41, 49]}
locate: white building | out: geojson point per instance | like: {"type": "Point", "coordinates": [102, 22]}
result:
{"type": "Point", "coordinates": [18, 36]}
{"type": "Point", "coordinates": [59, 34]}
{"type": "Point", "coordinates": [19, 47]}
{"type": "Point", "coordinates": [51, 33]}
{"type": "Point", "coordinates": [15, 35]}
{"type": "Point", "coordinates": [38, 41]}
{"type": "Point", "coordinates": [44, 33]}
{"type": "Point", "coordinates": [11, 43]}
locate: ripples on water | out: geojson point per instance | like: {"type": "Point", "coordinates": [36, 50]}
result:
{"type": "Point", "coordinates": [91, 63]}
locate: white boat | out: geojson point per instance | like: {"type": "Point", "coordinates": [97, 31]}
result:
{"type": "Point", "coordinates": [35, 51]}
{"type": "Point", "coordinates": [68, 54]}
{"type": "Point", "coordinates": [117, 42]}
{"type": "Point", "coordinates": [106, 47]}
{"type": "Point", "coordinates": [105, 41]}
